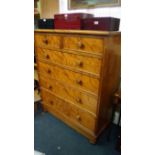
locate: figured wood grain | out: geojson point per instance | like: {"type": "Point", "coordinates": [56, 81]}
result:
{"type": "Point", "coordinates": [48, 41]}
{"type": "Point", "coordinates": [72, 78]}
{"type": "Point", "coordinates": [70, 94]}
{"type": "Point", "coordinates": [90, 74]}
{"type": "Point", "coordinates": [69, 110]}
{"type": "Point", "coordinates": [94, 45]}
{"type": "Point", "coordinates": [83, 63]}
{"type": "Point", "coordinates": [62, 76]}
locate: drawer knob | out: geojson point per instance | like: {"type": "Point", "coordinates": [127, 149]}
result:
{"type": "Point", "coordinates": [79, 100]}
{"type": "Point", "coordinates": [49, 71]}
{"type": "Point", "coordinates": [79, 82]}
{"type": "Point", "coordinates": [47, 56]}
{"type": "Point", "coordinates": [80, 45]}
{"type": "Point", "coordinates": [50, 87]}
{"type": "Point", "coordinates": [45, 41]}
{"type": "Point", "coordinates": [51, 102]}
{"type": "Point", "coordinates": [78, 117]}
{"type": "Point", "coordinates": [79, 64]}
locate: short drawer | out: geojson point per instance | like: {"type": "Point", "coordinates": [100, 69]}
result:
{"type": "Point", "coordinates": [80, 116]}
{"type": "Point", "coordinates": [80, 99]}
{"type": "Point", "coordinates": [85, 44]}
{"type": "Point", "coordinates": [48, 41]}
{"type": "Point", "coordinates": [78, 80]}
{"type": "Point", "coordinates": [84, 63]}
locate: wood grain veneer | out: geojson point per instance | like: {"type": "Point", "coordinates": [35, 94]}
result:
{"type": "Point", "coordinates": [71, 94]}
{"type": "Point", "coordinates": [69, 77]}
{"type": "Point", "coordinates": [83, 63]}
{"type": "Point", "coordinates": [78, 73]}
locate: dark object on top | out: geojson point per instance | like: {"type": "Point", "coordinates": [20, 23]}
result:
{"type": "Point", "coordinates": [101, 23]}
{"type": "Point", "coordinates": [46, 23]}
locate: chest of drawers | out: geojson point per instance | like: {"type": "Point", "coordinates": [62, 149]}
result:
{"type": "Point", "coordinates": [78, 73]}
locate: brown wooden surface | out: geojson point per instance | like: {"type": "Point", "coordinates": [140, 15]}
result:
{"type": "Point", "coordinates": [70, 110]}
{"type": "Point", "coordinates": [48, 41]}
{"type": "Point", "coordinates": [94, 45]}
{"type": "Point", "coordinates": [71, 78]}
{"type": "Point", "coordinates": [71, 94]}
{"type": "Point", "coordinates": [110, 78]}
{"type": "Point", "coordinates": [68, 86]}
{"type": "Point", "coordinates": [83, 63]}
{"type": "Point", "coordinates": [87, 32]}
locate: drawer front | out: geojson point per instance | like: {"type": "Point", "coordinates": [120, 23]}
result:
{"type": "Point", "coordinates": [94, 45]}
{"type": "Point", "coordinates": [48, 41]}
{"type": "Point", "coordinates": [71, 111]}
{"type": "Point", "coordinates": [70, 94]}
{"type": "Point", "coordinates": [83, 63]}
{"type": "Point", "coordinates": [69, 77]}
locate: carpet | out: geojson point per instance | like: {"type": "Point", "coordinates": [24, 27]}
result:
{"type": "Point", "coordinates": [53, 137]}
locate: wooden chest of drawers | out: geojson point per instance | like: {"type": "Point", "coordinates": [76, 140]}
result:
{"type": "Point", "coordinates": [78, 73]}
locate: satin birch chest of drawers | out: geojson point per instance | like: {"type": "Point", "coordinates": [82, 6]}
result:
{"type": "Point", "coordinates": [78, 73]}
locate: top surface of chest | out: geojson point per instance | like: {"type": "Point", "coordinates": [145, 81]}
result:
{"type": "Point", "coordinates": [85, 42]}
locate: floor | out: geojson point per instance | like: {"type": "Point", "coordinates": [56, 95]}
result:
{"type": "Point", "coordinates": [53, 137]}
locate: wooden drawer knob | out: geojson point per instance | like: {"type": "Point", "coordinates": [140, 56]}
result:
{"type": "Point", "coordinates": [47, 56]}
{"type": "Point", "coordinates": [79, 82]}
{"type": "Point", "coordinates": [45, 41]}
{"type": "Point", "coordinates": [50, 87]}
{"type": "Point", "coordinates": [79, 100]}
{"type": "Point", "coordinates": [51, 102]}
{"type": "Point", "coordinates": [79, 64]}
{"type": "Point", "coordinates": [80, 45]}
{"type": "Point", "coordinates": [78, 117]}
{"type": "Point", "coordinates": [49, 71]}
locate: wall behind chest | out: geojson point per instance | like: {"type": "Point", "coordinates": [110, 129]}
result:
{"type": "Point", "coordinates": [48, 8]}
{"type": "Point", "coordinates": [98, 12]}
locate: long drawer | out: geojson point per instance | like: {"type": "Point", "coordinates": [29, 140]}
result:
{"type": "Point", "coordinates": [71, 111]}
{"type": "Point", "coordinates": [84, 63]}
{"type": "Point", "coordinates": [78, 80]}
{"type": "Point", "coordinates": [72, 95]}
